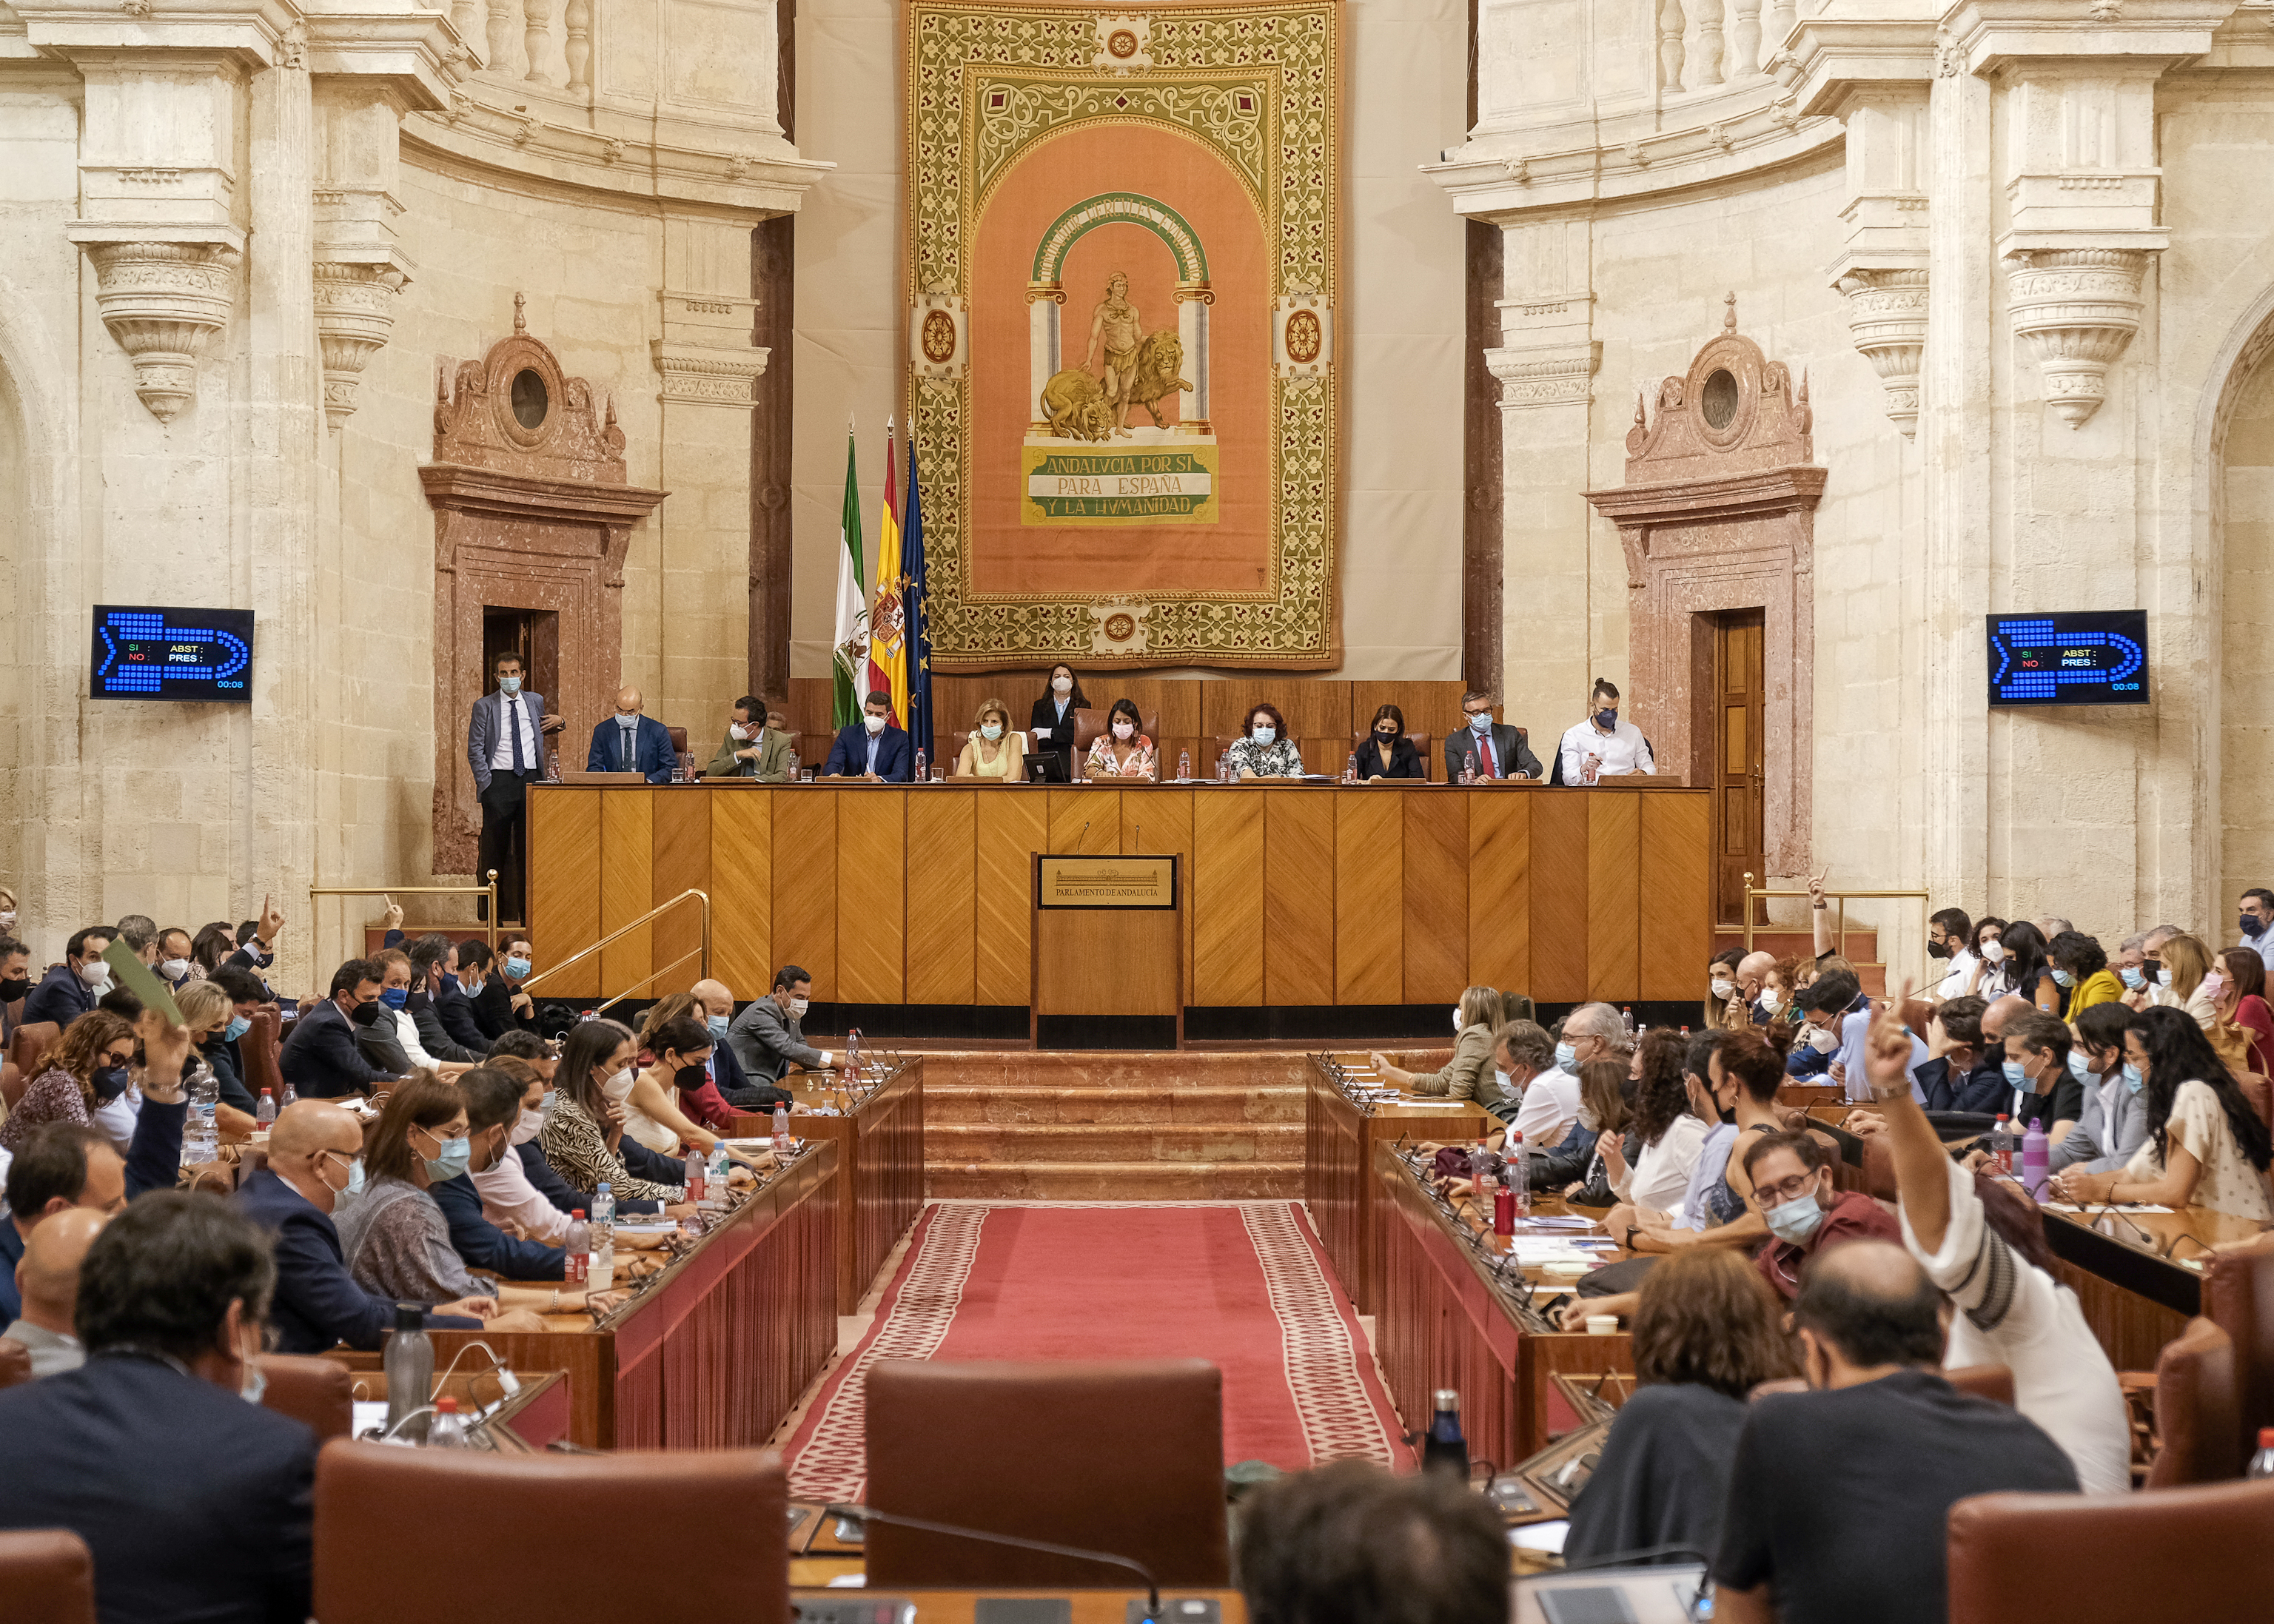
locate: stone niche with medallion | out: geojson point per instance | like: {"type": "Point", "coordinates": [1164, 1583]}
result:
{"type": "Point", "coordinates": [532, 516]}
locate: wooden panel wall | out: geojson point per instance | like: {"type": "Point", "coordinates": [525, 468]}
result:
{"type": "Point", "coordinates": [1293, 897]}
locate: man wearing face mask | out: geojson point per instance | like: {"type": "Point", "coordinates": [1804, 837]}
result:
{"type": "Point", "coordinates": [754, 747]}
{"type": "Point", "coordinates": [417, 1022]}
{"type": "Point", "coordinates": [630, 742]}
{"type": "Point", "coordinates": [2112, 1123]}
{"type": "Point", "coordinates": [1492, 750]}
{"type": "Point", "coordinates": [2043, 1088]}
{"type": "Point", "coordinates": [175, 965]}
{"type": "Point", "coordinates": [1551, 1097]}
{"type": "Point", "coordinates": [768, 1038]}
{"type": "Point", "coordinates": [504, 746]}
{"type": "Point", "coordinates": [320, 1057]}
{"type": "Point", "coordinates": [15, 984]}
{"type": "Point", "coordinates": [1947, 934]}
{"type": "Point", "coordinates": [68, 989]}
{"type": "Point", "coordinates": [1793, 1192]}
{"type": "Point", "coordinates": [2258, 923]}
{"type": "Point", "coordinates": [192, 1499]}
{"type": "Point", "coordinates": [498, 1004]}
{"type": "Point", "coordinates": [1605, 743]}
{"type": "Point", "coordinates": [1959, 1065]}
{"type": "Point", "coordinates": [315, 1154]}
{"type": "Point", "coordinates": [466, 967]}
{"type": "Point", "coordinates": [871, 747]}
{"type": "Point", "coordinates": [714, 1006]}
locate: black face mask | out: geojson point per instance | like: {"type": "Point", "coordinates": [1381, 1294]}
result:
{"type": "Point", "coordinates": [14, 987]}
{"type": "Point", "coordinates": [364, 1014]}
{"type": "Point", "coordinates": [691, 1076]}
{"type": "Point", "coordinates": [109, 1083]}
{"type": "Point", "coordinates": [1938, 949]}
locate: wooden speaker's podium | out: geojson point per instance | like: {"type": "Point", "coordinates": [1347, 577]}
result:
{"type": "Point", "coordinates": [1109, 969]}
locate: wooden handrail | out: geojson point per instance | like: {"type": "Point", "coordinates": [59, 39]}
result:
{"type": "Point", "coordinates": [623, 930]}
{"type": "Point", "coordinates": [489, 918]}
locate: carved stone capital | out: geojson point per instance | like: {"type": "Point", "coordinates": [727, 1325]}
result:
{"type": "Point", "coordinates": [163, 302]}
{"type": "Point", "coordinates": [1544, 376]}
{"type": "Point", "coordinates": [707, 375]}
{"type": "Point", "coordinates": [2078, 308]}
{"type": "Point", "coordinates": [1887, 319]}
{"type": "Point", "coordinates": [355, 313]}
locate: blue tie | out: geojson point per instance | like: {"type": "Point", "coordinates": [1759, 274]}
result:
{"type": "Point", "coordinates": [513, 724]}
{"type": "Point", "coordinates": [631, 746]}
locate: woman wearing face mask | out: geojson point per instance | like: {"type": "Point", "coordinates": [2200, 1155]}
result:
{"type": "Point", "coordinates": [1670, 1132]}
{"type": "Point", "coordinates": [2242, 1003]}
{"type": "Point", "coordinates": [584, 1136]}
{"type": "Point", "coordinates": [1720, 986]}
{"type": "Point", "coordinates": [694, 1093]}
{"type": "Point", "coordinates": [213, 1024]}
{"type": "Point", "coordinates": [2206, 1145]}
{"type": "Point", "coordinates": [2114, 1123]}
{"type": "Point", "coordinates": [1388, 753]}
{"type": "Point", "coordinates": [1051, 727]}
{"type": "Point", "coordinates": [2027, 970]}
{"type": "Point", "coordinates": [652, 1113]}
{"type": "Point", "coordinates": [85, 1070]}
{"type": "Point", "coordinates": [1578, 1160]}
{"type": "Point", "coordinates": [523, 1194]}
{"type": "Point", "coordinates": [1122, 751]}
{"type": "Point", "coordinates": [2081, 971]}
{"type": "Point", "coordinates": [1469, 1074]}
{"type": "Point", "coordinates": [993, 751]}
{"type": "Point", "coordinates": [1985, 980]}
{"type": "Point", "coordinates": [1263, 750]}
{"type": "Point", "coordinates": [2190, 982]}
{"type": "Point", "coordinates": [393, 1238]}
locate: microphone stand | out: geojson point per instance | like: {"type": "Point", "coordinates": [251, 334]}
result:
{"type": "Point", "coordinates": [864, 1515]}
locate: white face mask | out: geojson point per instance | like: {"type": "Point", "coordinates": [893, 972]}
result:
{"type": "Point", "coordinates": [94, 974]}
{"type": "Point", "coordinates": [1507, 1088]}
{"type": "Point", "coordinates": [1265, 733]}
{"type": "Point", "coordinates": [874, 723]}
{"type": "Point", "coordinates": [797, 1006]}
{"type": "Point", "coordinates": [1122, 730]}
{"type": "Point", "coordinates": [175, 968]}
{"type": "Point", "coordinates": [1722, 989]}
{"type": "Point", "coordinates": [8, 921]}
{"type": "Point", "coordinates": [991, 732]}
{"type": "Point", "coordinates": [1823, 1040]}
{"type": "Point", "coordinates": [1994, 950]}
{"type": "Point", "coordinates": [1061, 685]}
{"type": "Point", "coordinates": [1456, 1020]}
{"type": "Point", "coordinates": [618, 1088]}
{"type": "Point", "coordinates": [530, 1125]}
{"type": "Point", "coordinates": [738, 732]}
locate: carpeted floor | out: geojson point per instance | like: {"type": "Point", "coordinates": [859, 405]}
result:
{"type": "Point", "coordinates": [1242, 1284]}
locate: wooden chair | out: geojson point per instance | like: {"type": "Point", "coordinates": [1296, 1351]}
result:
{"type": "Point", "coordinates": [731, 1504]}
{"type": "Point", "coordinates": [983, 1445]}
{"type": "Point", "coordinates": [47, 1576]}
{"type": "Point", "coordinates": [32, 1040]}
{"type": "Point", "coordinates": [2238, 1295]}
{"type": "Point", "coordinates": [319, 1392]}
{"type": "Point", "coordinates": [260, 1049]}
{"type": "Point", "coordinates": [2196, 1407]}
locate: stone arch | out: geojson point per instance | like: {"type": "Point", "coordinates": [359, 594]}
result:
{"type": "Point", "coordinates": [2238, 501]}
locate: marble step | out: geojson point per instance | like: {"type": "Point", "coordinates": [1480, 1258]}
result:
{"type": "Point", "coordinates": [1115, 1181]}
{"type": "Point", "coordinates": [956, 1144]}
{"type": "Point", "coordinates": [1179, 1107]}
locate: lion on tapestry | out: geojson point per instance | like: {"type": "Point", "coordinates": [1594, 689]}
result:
{"type": "Point", "coordinates": [1075, 405]}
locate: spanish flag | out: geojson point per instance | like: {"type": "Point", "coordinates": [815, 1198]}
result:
{"type": "Point", "coordinates": [888, 646]}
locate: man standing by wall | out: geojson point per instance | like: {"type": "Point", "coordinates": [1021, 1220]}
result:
{"type": "Point", "coordinates": [505, 746]}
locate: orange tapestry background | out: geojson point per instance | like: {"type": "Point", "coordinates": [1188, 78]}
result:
{"type": "Point", "coordinates": [1232, 555]}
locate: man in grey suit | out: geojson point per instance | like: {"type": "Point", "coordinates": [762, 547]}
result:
{"type": "Point", "coordinates": [505, 746]}
{"type": "Point", "coordinates": [1493, 749]}
{"type": "Point", "coordinates": [766, 1037]}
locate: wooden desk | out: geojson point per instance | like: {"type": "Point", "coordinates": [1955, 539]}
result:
{"type": "Point", "coordinates": [1340, 1135]}
{"type": "Point", "coordinates": [880, 1166]}
{"type": "Point", "coordinates": [1296, 895]}
{"type": "Point", "coordinates": [2138, 1277]}
{"type": "Point", "coordinates": [960, 1606]}
{"type": "Point", "coordinates": [717, 1352]}
{"type": "Point", "coordinates": [1447, 1319]}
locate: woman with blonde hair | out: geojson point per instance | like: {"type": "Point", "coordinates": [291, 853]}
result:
{"type": "Point", "coordinates": [992, 751]}
{"type": "Point", "coordinates": [2187, 967]}
{"type": "Point", "coordinates": [1468, 1075]}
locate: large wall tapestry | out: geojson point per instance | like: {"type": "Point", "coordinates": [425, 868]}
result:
{"type": "Point", "coordinates": [1122, 236]}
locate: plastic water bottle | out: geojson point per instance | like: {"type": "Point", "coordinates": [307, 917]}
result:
{"type": "Point", "coordinates": [290, 1094]}
{"type": "Point", "coordinates": [2037, 1158]}
{"type": "Point", "coordinates": [1480, 1163]}
{"type": "Point", "coordinates": [921, 777]}
{"type": "Point", "coordinates": [781, 1129]}
{"type": "Point", "coordinates": [265, 1112]}
{"type": "Point", "coordinates": [1445, 1450]}
{"type": "Point", "coordinates": [2261, 1464]}
{"type": "Point", "coordinates": [853, 1050]}
{"type": "Point", "coordinates": [601, 1274]}
{"type": "Point", "coordinates": [1626, 1018]}
{"type": "Point", "coordinates": [201, 1138]}
{"type": "Point", "coordinates": [1503, 1211]}
{"type": "Point", "coordinates": [446, 1429]}
{"type": "Point", "coordinates": [696, 1171]}
{"type": "Point", "coordinates": [2001, 1145]}
{"type": "Point", "coordinates": [793, 764]}
{"type": "Point", "coordinates": [577, 1266]}
{"type": "Point", "coordinates": [1183, 766]}
{"type": "Point", "coordinates": [1350, 769]}
{"type": "Point", "coordinates": [409, 1364]}
{"type": "Point", "coordinates": [1520, 1173]}
{"type": "Point", "coordinates": [715, 1186]}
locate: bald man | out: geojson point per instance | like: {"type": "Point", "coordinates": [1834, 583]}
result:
{"type": "Point", "coordinates": [715, 1004]}
{"type": "Point", "coordinates": [1844, 1492]}
{"type": "Point", "coordinates": [314, 1153]}
{"type": "Point", "coordinates": [1745, 1005]}
{"type": "Point", "coordinates": [630, 742]}
{"type": "Point", "coordinates": [49, 1279]}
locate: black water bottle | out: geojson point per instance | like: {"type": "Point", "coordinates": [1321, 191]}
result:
{"type": "Point", "coordinates": [1445, 1450]}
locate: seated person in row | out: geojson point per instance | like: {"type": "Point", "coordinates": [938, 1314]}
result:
{"type": "Point", "coordinates": [584, 1136]}
{"type": "Point", "coordinates": [767, 1037]}
{"type": "Point", "coordinates": [1606, 743]}
{"type": "Point", "coordinates": [713, 1002]}
{"type": "Point", "coordinates": [992, 751]}
{"type": "Point", "coordinates": [630, 742]}
{"type": "Point", "coordinates": [1389, 753]}
{"type": "Point", "coordinates": [320, 1057]}
{"type": "Point", "coordinates": [872, 747]}
{"type": "Point", "coordinates": [2114, 1121]}
{"type": "Point", "coordinates": [1263, 750]}
{"type": "Point", "coordinates": [1122, 751]}
{"type": "Point", "coordinates": [657, 1112]}
{"type": "Point", "coordinates": [524, 1193]}
{"type": "Point", "coordinates": [758, 746]}
{"type": "Point", "coordinates": [429, 960]}
{"type": "Point", "coordinates": [1487, 748]}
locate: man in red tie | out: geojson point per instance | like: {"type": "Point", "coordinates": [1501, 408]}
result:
{"type": "Point", "coordinates": [1487, 748]}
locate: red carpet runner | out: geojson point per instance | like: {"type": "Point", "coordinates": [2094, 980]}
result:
{"type": "Point", "coordinates": [1242, 1284]}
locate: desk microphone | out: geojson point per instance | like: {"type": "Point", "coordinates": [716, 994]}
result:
{"type": "Point", "coordinates": [862, 1515]}
{"type": "Point", "coordinates": [1079, 838]}
{"type": "Point", "coordinates": [2167, 1248]}
{"type": "Point", "coordinates": [2108, 1210]}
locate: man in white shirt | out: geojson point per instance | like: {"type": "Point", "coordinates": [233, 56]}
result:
{"type": "Point", "coordinates": [2258, 923]}
{"type": "Point", "coordinates": [505, 747]}
{"type": "Point", "coordinates": [1551, 1100]}
{"type": "Point", "coordinates": [1947, 936]}
{"type": "Point", "coordinates": [1606, 743]}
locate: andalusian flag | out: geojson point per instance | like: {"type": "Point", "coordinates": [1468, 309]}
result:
{"type": "Point", "coordinates": [888, 647]}
{"type": "Point", "coordinates": [916, 605]}
{"type": "Point", "coordinates": [851, 658]}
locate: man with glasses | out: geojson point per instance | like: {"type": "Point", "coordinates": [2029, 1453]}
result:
{"type": "Point", "coordinates": [1488, 749]}
{"type": "Point", "coordinates": [312, 1152]}
{"type": "Point", "coordinates": [1792, 1191]}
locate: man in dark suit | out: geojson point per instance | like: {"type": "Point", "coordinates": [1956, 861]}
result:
{"type": "Point", "coordinates": [715, 1003]}
{"type": "Point", "coordinates": [871, 747]}
{"type": "Point", "coordinates": [500, 1006]}
{"type": "Point", "coordinates": [1493, 749]}
{"type": "Point", "coordinates": [428, 955]}
{"type": "Point", "coordinates": [194, 1503]}
{"type": "Point", "coordinates": [68, 990]}
{"type": "Point", "coordinates": [630, 742]}
{"type": "Point", "coordinates": [320, 1057]}
{"type": "Point", "coordinates": [311, 1153]}
{"type": "Point", "coordinates": [505, 746]}
{"type": "Point", "coordinates": [493, 1107]}
{"type": "Point", "coordinates": [466, 977]}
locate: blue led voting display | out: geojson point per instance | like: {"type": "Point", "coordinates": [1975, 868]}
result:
{"type": "Point", "coordinates": [182, 654]}
{"type": "Point", "coordinates": [2089, 657]}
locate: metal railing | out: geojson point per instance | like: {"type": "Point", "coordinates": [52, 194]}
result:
{"type": "Point", "coordinates": [704, 951]}
{"type": "Point", "coordinates": [489, 919]}
{"type": "Point", "coordinates": [1840, 916]}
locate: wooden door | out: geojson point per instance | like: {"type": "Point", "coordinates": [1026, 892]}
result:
{"type": "Point", "coordinates": [1735, 752]}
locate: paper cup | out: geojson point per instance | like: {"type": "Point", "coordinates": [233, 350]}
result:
{"type": "Point", "coordinates": [1602, 1325]}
